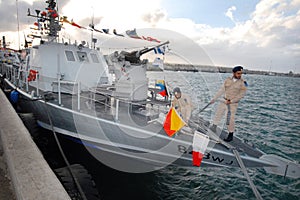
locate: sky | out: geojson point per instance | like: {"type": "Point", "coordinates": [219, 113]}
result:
{"type": "Point", "coordinates": [260, 35]}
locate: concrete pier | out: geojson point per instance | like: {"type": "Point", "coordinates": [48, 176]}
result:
{"type": "Point", "coordinates": [31, 177]}
{"type": "Point", "coordinates": [6, 191]}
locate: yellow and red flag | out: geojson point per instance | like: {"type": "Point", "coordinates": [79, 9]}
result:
{"type": "Point", "coordinates": [173, 122]}
{"type": "Point", "coordinates": [65, 19]}
{"type": "Point", "coordinates": [74, 24]}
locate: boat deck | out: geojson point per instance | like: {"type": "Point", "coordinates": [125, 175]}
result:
{"type": "Point", "coordinates": [242, 147]}
{"type": "Point", "coordinates": [140, 116]}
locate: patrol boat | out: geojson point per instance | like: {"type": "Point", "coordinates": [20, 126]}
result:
{"type": "Point", "coordinates": [107, 103]}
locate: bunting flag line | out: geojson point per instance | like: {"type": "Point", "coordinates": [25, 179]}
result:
{"type": "Point", "coordinates": [97, 30]}
{"type": "Point", "coordinates": [105, 30]}
{"type": "Point", "coordinates": [163, 89]}
{"type": "Point", "coordinates": [92, 27]}
{"type": "Point", "coordinates": [133, 34]}
{"type": "Point", "coordinates": [117, 34]}
{"type": "Point", "coordinates": [76, 25]}
{"type": "Point", "coordinates": [173, 122]}
{"type": "Point", "coordinates": [200, 142]}
{"type": "Point", "coordinates": [160, 50]}
{"type": "Point", "coordinates": [64, 19]}
{"type": "Point", "coordinates": [151, 39]}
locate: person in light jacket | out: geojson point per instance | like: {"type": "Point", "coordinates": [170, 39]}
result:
{"type": "Point", "coordinates": [233, 90]}
{"type": "Point", "coordinates": [183, 104]}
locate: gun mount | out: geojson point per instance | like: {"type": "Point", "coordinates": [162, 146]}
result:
{"type": "Point", "coordinates": [134, 56]}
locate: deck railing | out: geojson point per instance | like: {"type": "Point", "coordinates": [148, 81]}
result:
{"type": "Point", "coordinates": [110, 104]}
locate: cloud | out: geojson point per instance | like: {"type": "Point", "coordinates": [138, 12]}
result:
{"type": "Point", "coordinates": [8, 20]}
{"type": "Point", "coordinates": [277, 22]}
{"type": "Point", "coordinates": [229, 13]}
{"type": "Point", "coordinates": [8, 13]}
{"type": "Point", "coordinates": [122, 15]}
{"type": "Point", "coordinates": [154, 17]}
{"type": "Point", "coordinates": [87, 21]}
{"type": "Point", "coordinates": [270, 33]}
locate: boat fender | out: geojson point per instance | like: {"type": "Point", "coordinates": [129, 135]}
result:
{"type": "Point", "coordinates": [14, 96]}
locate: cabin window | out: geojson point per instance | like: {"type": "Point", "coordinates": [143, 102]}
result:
{"type": "Point", "coordinates": [70, 55]}
{"type": "Point", "coordinates": [94, 58]}
{"type": "Point", "coordinates": [82, 56]}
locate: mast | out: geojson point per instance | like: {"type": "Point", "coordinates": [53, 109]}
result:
{"type": "Point", "coordinates": [18, 24]}
{"type": "Point", "coordinates": [54, 26]}
{"type": "Point", "coordinates": [270, 67]}
{"type": "Point", "coordinates": [50, 20]}
{"type": "Point", "coordinates": [93, 26]}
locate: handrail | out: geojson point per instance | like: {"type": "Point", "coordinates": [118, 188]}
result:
{"type": "Point", "coordinates": [24, 83]}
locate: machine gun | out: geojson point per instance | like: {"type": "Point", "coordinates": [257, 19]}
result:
{"type": "Point", "coordinates": [134, 56]}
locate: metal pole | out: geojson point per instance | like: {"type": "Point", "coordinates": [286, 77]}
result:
{"type": "Point", "coordinates": [26, 79]}
{"type": "Point", "coordinates": [117, 109]}
{"type": "Point", "coordinates": [58, 80]}
{"type": "Point", "coordinates": [37, 85]}
{"type": "Point", "coordinates": [58, 89]}
{"type": "Point", "coordinates": [14, 74]}
{"type": "Point", "coordinates": [78, 95]}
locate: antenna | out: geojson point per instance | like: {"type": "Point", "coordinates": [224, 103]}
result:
{"type": "Point", "coordinates": [92, 25]}
{"type": "Point", "coordinates": [57, 6]}
{"type": "Point", "coordinates": [270, 66]}
{"type": "Point", "coordinates": [18, 23]}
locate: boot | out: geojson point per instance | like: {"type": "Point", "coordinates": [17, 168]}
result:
{"type": "Point", "coordinates": [229, 137]}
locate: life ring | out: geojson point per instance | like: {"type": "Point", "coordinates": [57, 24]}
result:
{"type": "Point", "coordinates": [32, 75]}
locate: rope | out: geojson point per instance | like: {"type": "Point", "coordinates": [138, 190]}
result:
{"type": "Point", "coordinates": [238, 158]}
{"type": "Point", "coordinates": [240, 162]}
{"type": "Point", "coordinates": [203, 108]}
{"type": "Point", "coordinates": [64, 156]}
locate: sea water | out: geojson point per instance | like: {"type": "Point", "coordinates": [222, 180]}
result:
{"type": "Point", "coordinates": [268, 117]}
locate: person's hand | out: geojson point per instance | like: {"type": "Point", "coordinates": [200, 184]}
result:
{"type": "Point", "coordinates": [212, 101]}
{"type": "Point", "coordinates": [227, 102]}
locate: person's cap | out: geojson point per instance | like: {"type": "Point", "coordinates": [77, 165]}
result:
{"type": "Point", "coordinates": [176, 90]}
{"type": "Point", "coordinates": [237, 68]}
